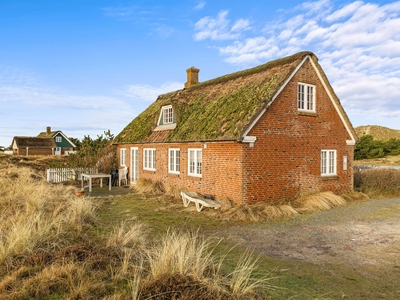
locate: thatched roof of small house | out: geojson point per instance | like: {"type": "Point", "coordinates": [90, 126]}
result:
{"type": "Point", "coordinates": [34, 142]}
{"type": "Point", "coordinates": [218, 109]}
{"type": "Point", "coordinates": [47, 135]}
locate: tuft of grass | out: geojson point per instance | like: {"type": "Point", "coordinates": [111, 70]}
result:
{"type": "Point", "coordinates": [355, 196]}
{"type": "Point", "coordinates": [256, 212]}
{"type": "Point", "coordinates": [184, 254]}
{"type": "Point", "coordinates": [146, 186]}
{"type": "Point", "coordinates": [318, 202]}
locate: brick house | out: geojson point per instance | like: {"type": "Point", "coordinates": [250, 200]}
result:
{"type": "Point", "coordinates": [46, 143]}
{"type": "Point", "coordinates": [262, 134]}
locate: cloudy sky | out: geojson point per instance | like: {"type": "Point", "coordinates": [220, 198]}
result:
{"type": "Point", "coordinates": [86, 66]}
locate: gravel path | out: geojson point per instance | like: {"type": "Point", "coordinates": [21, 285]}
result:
{"type": "Point", "coordinates": [357, 234]}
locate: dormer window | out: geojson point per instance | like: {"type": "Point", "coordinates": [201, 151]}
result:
{"type": "Point", "coordinates": [166, 120]}
{"type": "Point", "coordinates": [306, 97]}
{"type": "Point", "coordinates": [168, 115]}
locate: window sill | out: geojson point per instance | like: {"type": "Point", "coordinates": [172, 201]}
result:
{"type": "Point", "coordinates": [195, 176]}
{"type": "Point", "coordinates": [307, 113]}
{"type": "Point", "coordinates": [174, 173]}
{"type": "Point", "coordinates": [165, 127]}
{"type": "Point", "coordinates": [330, 177]}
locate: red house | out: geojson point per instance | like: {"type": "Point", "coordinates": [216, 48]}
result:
{"type": "Point", "coordinates": [262, 134]}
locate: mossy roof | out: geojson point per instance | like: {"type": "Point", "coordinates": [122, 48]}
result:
{"type": "Point", "coordinates": [48, 135]}
{"type": "Point", "coordinates": [214, 110]}
{"type": "Point", "coordinates": [34, 142]}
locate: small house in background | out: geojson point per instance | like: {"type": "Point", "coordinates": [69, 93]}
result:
{"type": "Point", "coordinates": [46, 143]}
{"type": "Point", "coordinates": [262, 134]}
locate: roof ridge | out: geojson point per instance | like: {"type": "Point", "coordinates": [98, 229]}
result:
{"type": "Point", "coordinates": [245, 72]}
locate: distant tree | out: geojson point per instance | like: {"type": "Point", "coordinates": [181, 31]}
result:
{"type": "Point", "coordinates": [367, 147]}
{"type": "Point", "coordinates": [77, 143]}
{"type": "Point", "coordinates": [99, 153]}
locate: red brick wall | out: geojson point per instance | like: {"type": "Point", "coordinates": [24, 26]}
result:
{"type": "Point", "coordinates": [285, 159]}
{"type": "Point", "coordinates": [221, 165]}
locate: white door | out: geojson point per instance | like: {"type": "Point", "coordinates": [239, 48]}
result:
{"type": "Point", "coordinates": [58, 151]}
{"type": "Point", "coordinates": [134, 164]}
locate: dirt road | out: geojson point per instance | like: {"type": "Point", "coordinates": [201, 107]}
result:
{"type": "Point", "coordinates": [358, 234]}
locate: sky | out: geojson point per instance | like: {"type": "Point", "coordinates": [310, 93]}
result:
{"type": "Point", "coordinates": [88, 66]}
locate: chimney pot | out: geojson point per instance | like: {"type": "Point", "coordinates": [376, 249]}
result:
{"type": "Point", "coordinates": [192, 76]}
{"type": "Point", "coordinates": [48, 130]}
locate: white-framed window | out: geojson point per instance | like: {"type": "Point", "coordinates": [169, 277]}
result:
{"type": "Point", "coordinates": [194, 162]}
{"type": "Point", "coordinates": [122, 157]}
{"type": "Point", "coordinates": [306, 97]}
{"type": "Point", "coordinates": [58, 139]}
{"type": "Point", "coordinates": [328, 162]}
{"type": "Point", "coordinates": [149, 159]}
{"type": "Point", "coordinates": [174, 160]}
{"type": "Point", "coordinates": [167, 115]}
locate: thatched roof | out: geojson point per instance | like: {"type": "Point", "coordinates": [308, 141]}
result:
{"type": "Point", "coordinates": [34, 142]}
{"type": "Point", "coordinates": [48, 135]}
{"type": "Point", "coordinates": [217, 109]}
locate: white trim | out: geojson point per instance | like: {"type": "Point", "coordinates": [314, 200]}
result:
{"type": "Point", "coordinates": [150, 164]}
{"type": "Point", "coordinates": [175, 165]}
{"type": "Point", "coordinates": [165, 127]}
{"type": "Point", "coordinates": [276, 95]}
{"type": "Point", "coordinates": [122, 157]}
{"type": "Point", "coordinates": [284, 85]}
{"type": "Point", "coordinates": [332, 100]}
{"type": "Point", "coordinates": [69, 141]}
{"type": "Point", "coordinates": [197, 172]}
{"type": "Point", "coordinates": [161, 115]}
{"type": "Point", "coordinates": [314, 100]}
{"type": "Point", "coordinates": [134, 164]}
{"type": "Point", "coordinates": [327, 164]}
{"type": "Point", "coordinates": [249, 139]}
{"type": "Point", "coordinates": [350, 142]}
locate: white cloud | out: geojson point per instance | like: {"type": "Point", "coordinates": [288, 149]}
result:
{"type": "Point", "coordinates": [240, 25]}
{"type": "Point", "coordinates": [358, 45]}
{"type": "Point", "coordinates": [346, 11]}
{"type": "Point", "coordinates": [200, 5]}
{"type": "Point", "coordinates": [149, 93]}
{"type": "Point", "coordinates": [219, 28]}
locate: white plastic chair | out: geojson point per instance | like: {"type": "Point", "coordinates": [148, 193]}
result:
{"type": "Point", "coordinates": [122, 175]}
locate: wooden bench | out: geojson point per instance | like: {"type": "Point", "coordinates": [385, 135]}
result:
{"type": "Point", "coordinates": [199, 201]}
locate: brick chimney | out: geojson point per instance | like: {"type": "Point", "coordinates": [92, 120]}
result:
{"type": "Point", "coordinates": [192, 77]}
{"type": "Point", "coordinates": [48, 130]}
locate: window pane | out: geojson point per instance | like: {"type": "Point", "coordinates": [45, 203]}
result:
{"type": "Point", "coordinates": [300, 97]}
{"type": "Point", "coordinates": [199, 161]}
{"type": "Point", "coordinates": [310, 93]}
{"type": "Point", "coordinates": [171, 160]}
{"type": "Point", "coordinates": [323, 162]}
{"type": "Point", "coordinates": [178, 160]}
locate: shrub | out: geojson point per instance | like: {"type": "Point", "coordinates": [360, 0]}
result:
{"type": "Point", "coordinates": [378, 182]}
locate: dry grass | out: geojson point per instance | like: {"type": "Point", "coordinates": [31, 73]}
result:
{"type": "Point", "coordinates": [378, 183]}
{"type": "Point", "coordinates": [35, 213]}
{"type": "Point", "coordinates": [355, 197]}
{"type": "Point", "coordinates": [318, 202]}
{"type": "Point", "coordinates": [46, 252]}
{"type": "Point", "coordinates": [146, 186]}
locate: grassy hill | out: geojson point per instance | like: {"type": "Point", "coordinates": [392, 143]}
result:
{"type": "Point", "coordinates": [380, 133]}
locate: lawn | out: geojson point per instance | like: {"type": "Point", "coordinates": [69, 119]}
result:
{"type": "Point", "coordinates": [292, 279]}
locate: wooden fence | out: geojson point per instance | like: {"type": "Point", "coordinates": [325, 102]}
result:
{"type": "Point", "coordinates": [56, 175]}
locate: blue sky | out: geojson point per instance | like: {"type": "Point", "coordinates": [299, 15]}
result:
{"type": "Point", "coordinates": [86, 66]}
